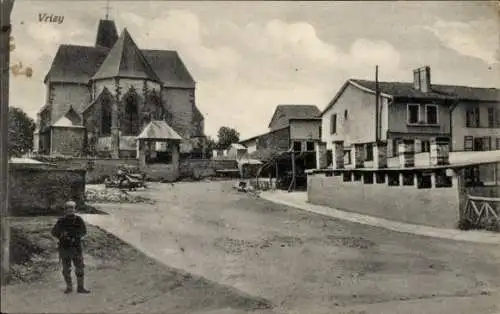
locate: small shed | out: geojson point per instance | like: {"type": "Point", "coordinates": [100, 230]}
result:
{"type": "Point", "coordinates": [158, 143]}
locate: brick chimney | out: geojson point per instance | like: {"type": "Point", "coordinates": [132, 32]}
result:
{"type": "Point", "coordinates": [422, 79]}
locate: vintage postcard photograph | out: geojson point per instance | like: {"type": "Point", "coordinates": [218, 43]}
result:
{"type": "Point", "coordinates": [230, 157]}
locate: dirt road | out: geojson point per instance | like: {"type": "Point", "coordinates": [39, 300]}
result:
{"type": "Point", "coordinates": [303, 262]}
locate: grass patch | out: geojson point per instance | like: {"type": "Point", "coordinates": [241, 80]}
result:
{"type": "Point", "coordinates": [34, 250]}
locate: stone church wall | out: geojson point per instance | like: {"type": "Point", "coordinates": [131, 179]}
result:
{"type": "Point", "coordinates": [125, 85]}
{"type": "Point", "coordinates": [65, 93]}
{"type": "Point", "coordinates": [67, 141]}
{"type": "Point", "coordinates": [179, 102]}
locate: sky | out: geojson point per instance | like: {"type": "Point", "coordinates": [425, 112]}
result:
{"type": "Point", "coordinates": [249, 57]}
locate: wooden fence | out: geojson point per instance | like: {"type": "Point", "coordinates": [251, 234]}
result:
{"type": "Point", "coordinates": [480, 208]}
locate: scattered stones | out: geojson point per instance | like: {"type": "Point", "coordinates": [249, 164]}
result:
{"type": "Point", "coordinates": [352, 242]}
{"type": "Point", "coordinates": [114, 196]}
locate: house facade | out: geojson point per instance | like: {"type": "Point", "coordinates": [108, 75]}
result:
{"type": "Point", "coordinates": [476, 123]}
{"type": "Point", "coordinates": [417, 113]}
{"type": "Point", "coordinates": [296, 127]}
{"type": "Point", "coordinates": [100, 98]}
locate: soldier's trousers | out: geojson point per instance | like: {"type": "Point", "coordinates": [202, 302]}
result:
{"type": "Point", "coordinates": [71, 257]}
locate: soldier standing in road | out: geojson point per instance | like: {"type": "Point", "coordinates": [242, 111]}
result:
{"type": "Point", "coordinates": [70, 230]}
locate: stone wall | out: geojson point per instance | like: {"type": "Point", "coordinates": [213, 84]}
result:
{"type": "Point", "coordinates": [200, 168]}
{"type": "Point", "coordinates": [437, 207]}
{"type": "Point", "coordinates": [103, 167]}
{"type": "Point", "coordinates": [100, 167]}
{"type": "Point", "coordinates": [68, 93]}
{"type": "Point", "coordinates": [180, 102]}
{"type": "Point", "coordinates": [35, 190]}
{"type": "Point", "coordinates": [279, 139]}
{"type": "Point", "coordinates": [67, 141]}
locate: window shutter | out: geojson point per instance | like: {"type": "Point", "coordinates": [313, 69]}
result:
{"type": "Point", "coordinates": [487, 143]}
{"type": "Point", "coordinates": [476, 116]}
{"type": "Point", "coordinates": [468, 143]}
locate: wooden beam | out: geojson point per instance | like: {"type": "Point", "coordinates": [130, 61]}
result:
{"type": "Point", "coordinates": [293, 183]}
{"type": "Point", "coordinates": [5, 10]}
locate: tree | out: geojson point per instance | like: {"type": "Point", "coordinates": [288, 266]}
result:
{"type": "Point", "coordinates": [210, 146]}
{"type": "Point", "coordinates": [20, 136]}
{"type": "Point", "coordinates": [227, 136]}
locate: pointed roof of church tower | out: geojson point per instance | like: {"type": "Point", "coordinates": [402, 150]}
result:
{"type": "Point", "coordinates": [106, 34]}
{"type": "Point", "coordinates": [126, 60]}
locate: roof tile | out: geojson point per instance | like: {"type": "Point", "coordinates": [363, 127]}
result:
{"type": "Point", "coordinates": [125, 60]}
{"type": "Point", "coordinates": [406, 89]}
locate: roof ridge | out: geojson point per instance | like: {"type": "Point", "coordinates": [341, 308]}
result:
{"type": "Point", "coordinates": [432, 84]}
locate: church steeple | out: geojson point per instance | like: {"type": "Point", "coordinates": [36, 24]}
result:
{"type": "Point", "coordinates": [106, 32]}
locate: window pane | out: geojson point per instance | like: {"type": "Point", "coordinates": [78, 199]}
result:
{"type": "Point", "coordinates": [468, 118]}
{"type": "Point", "coordinates": [413, 113]}
{"type": "Point", "coordinates": [431, 114]}
{"type": "Point", "coordinates": [426, 146]}
{"type": "Point", "coordinates": [491, 117]}
{"type": "Point", "coordinates": [369, 152]}
{"type": "Point", "coordinates": [310, 146]}
{"type": "Point", "coordinates": [297, 146]}
{"type": "Point", "coordinates": [468, 143]}
{"type": "Point", "coordinates": [476, 117]}
{"type": "Point", "coordinates": [333, 128]}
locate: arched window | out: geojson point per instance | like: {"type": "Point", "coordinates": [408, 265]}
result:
{"type": "Point", "coordinates": [131, 116]}
{"type": "Point", "coordinates": [106, 118]}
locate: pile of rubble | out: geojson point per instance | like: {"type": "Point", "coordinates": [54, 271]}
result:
{"type": "Point", "coordinates": [112, 195]}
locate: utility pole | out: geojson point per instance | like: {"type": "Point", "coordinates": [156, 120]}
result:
{"type": "Point", "coordinates": [377, 109]}
{"type": "Point", "coordinates": [5, 47]}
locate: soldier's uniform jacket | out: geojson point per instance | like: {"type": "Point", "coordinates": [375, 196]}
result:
{"type": "Point", "coordinates": [69, 230]}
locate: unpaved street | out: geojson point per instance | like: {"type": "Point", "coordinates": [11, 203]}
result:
{"type": "Point", "coordinates": [303, 262]}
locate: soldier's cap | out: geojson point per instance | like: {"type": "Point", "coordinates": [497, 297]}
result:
{"type": "Point", "coordinates": [70, 204]}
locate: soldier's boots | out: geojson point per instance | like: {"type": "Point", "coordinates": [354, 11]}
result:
{"type": "Point", "coordinates": [69, 284]}
{"type": "Point", "coordinates": [81, 285]}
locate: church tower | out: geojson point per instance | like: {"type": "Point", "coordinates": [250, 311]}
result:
{"type": "Point", "coordinates": [106, 32]}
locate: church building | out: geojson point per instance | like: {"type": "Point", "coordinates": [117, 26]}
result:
{"type": "Point", "coordinates": [100, 98]}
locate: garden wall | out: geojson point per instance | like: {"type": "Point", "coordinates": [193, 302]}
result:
{"type": "Point", "coordinates": [103, 167]}
{"type": "Point", "coordinates": [37, 190]}
{"type": "Point", "coordinates": [200, 168]}
{"type": "Point", "coordinates": [436, 207]}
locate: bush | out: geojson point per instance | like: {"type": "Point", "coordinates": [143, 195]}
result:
{"type": "Point", "coordinates": [465, 224]}
{"type": "Point", "coordinates": [492, 224]}
{"type": "Point", "coordinates": [489, 224]}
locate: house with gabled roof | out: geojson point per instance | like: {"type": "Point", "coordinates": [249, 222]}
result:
{"type": "Point", "coordinates": [417, 113]}
{"type": "Point", "coordinates": [284, 113]}
{"type": "Point", "coordinates": [101, 97]}
{"type": "Point", "coordinates": [290, 145]}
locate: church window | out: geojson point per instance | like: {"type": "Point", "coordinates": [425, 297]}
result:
{"type": "Point", "coordinates": [105, 119]}
{"type": "Point", "coordinates": [131, 116]}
